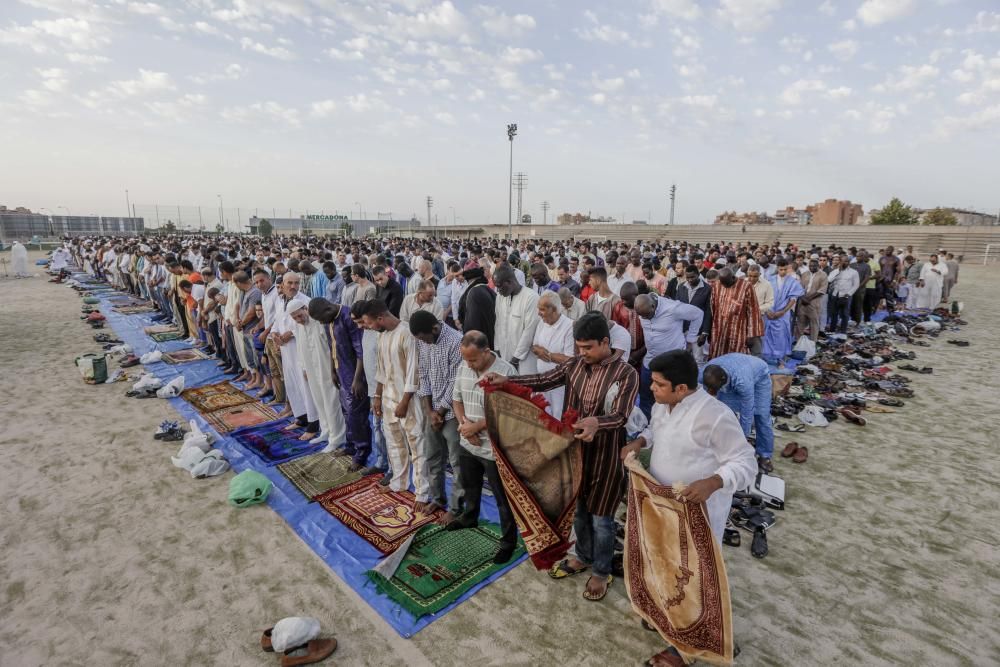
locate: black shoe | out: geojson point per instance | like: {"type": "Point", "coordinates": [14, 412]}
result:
{"type": "Point", "coordinates": [386, 481]}
{"type": "Point", "coordinates": [765, 465]}
{"type": "Point", "coordinates": [458, 524]}
{"type": "Point", "coordinates": [504, 554]}
{"type": "Point", "coordinates": [758, 548]}
{"type": "Point", "coordinates": [731, 537]}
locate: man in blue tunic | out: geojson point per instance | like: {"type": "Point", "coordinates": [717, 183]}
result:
{"type": "Point", "coordinates": [778, 325]}
{"type": "Point", "coordinates": [744, 384]}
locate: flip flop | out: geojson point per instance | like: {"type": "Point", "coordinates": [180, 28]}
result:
{"type": "Point", "coordinates": [318, 649]}
{"type": "Point", "coordinates": [670, 657]}
{"type": "Point", "coordinates": [758, 548]}
{"type": "Point", "coordinates": [561, 570]}
{"type": "Point", "coordinates": [587, 595]}
{"type": "Point", "coordinates": [789, 450]}
{"type": "Point", "coordinates": [801, 455]}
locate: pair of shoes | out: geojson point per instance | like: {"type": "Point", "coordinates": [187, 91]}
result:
{"type": "Point", "coordinates": [169, 431]}
{"type": "Point", "coordinates": [852, 416]}
{"type": "Point", "coordinates": [795, 452]}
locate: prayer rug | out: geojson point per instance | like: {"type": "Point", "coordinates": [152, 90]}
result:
{"type": "Point", "coordinates": [383, 518]}
{"type": "Point", "coordinates": [271, 444]}
{"type": "Point", "coordinates": [541, 468]}
{"type": "Point", "coordinates": [440, 566]}
{"type": "Point", "coordinates": [184, 356]}
{"type": "Point", "coordinates": [166, 336]}
{"type": "Point", "coordinates": [216, 396]}
{"type": "Point", "coordinates": [134, 309]}
{"type": "Point", "coordinates": [674, 572]}
{"type": "Point", "coordinates": [241, 416]}
{"type": "Point", "coordinates": [316, 474]}
{"type": "Point", "coordinates": [158, 328]}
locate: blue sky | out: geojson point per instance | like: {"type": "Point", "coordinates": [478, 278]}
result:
{"type": "Point", "coordinates": [318, 104]}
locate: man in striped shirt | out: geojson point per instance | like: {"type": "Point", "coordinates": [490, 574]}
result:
{"type": "Point", "coordinates": [601, 387]}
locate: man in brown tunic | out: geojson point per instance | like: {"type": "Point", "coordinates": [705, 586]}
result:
{"type": "Point", "coordinates": [735, 315]}
{"type": "Point", "coordinates": [601, 387]}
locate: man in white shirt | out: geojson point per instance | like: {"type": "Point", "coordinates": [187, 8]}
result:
{"type": "Point", "coordinates": [619, 275]}
{"type": "Point", "coordinates": [698, 442]}
{"type": "Point", "coordinates": [517, 318]}
{"type": "Point", "coordinates": [842, 283]}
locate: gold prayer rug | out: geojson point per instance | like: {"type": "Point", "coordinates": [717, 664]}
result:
{"type": "Point", "coordinates": [384, 518]}
{"type": "Point", "coordinates": [216, 396]}
{"type": "Point", "coordinates": [240, 416]}
{"type": "Point", "coordinates": [184, 356]}
{"type": "Point", "coordinates": [674, 572]}
{"type": "Point", "coordinates": [316, 474]}
{"type": "Point", "coordinates": [541, 468]}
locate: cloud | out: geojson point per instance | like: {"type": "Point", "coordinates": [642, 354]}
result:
{"type": "Point", "coordinates": [231, 72]}
{"type": "Point", "coordinates": [279, 52]}
{"type": "Point", "coordinates": [149, 82]}
{"type": "Point", "coordinates": [518, 56]}
{"type": "Point", "coordinates": [909, 77]}
{"type": "Point", "coordinates": [609, 85]}
{"type": "Point", "coordinates": [441, 21]}
{"type": "Point", "coordinates": [985, 22]}
{"type": "Point", "coordinates": [440, 85]}
{"type": "Point", "coordinates": [599, 32]}
{"type": "Point", "coordinates": [682, 9]}
{"type": "Point", "coordinates": [87, 59]}
{"type": "Point", "coordinates": [145, 8]}
{"type": "Point", "coordinates": [65, 32]}
{"type": "Point", "coordinates": [323, 108]}
{"type": "Point", "coordinates": [362, 102]}
{"type": "Point", "coordinates": [827, 8]}
{"type": "Point", "coordinates": [844, 49]}
{"type": "Point", "coordinates": [502, 25]}
{"type": "Point", "coordinates": [270, 112]}
{"type": "Point", "coordinates": [700, 101]}
{"type": "Point", "coordinates": [598, 98]}
{"type": "Point", "coordinates": [207, 28]}
{"type": "Point", "coordinates": [339, 54]}
{"type": "Point", "coordinates": [877, 12]}
{"type": "Point", "coordinates": [747, 15]}
{"type": "Point", "coordinates": [53, 79]}
{"type": "Point", "coordinates": [177, 111]}
{"type": "Point", "coordinates": [839, 93]}
{"type": "Point", "coordinates": [445, 118]}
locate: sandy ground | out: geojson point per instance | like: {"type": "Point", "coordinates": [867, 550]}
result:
{"type": "Point", "coordinates": [887, 554]}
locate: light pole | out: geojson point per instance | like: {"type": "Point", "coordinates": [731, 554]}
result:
{"type": "Point", "coordinates": [452, 215]}
{"type": "Point", "coordinates": [128, 206]}
{"type": "Point", "coordinates": [359, 209]}
{"type": "Point", "coordinates": [511, 133]}
{"type": "Point", "coordinates": [66, 209]}
{"type": "Point", "coordinates": [221, 223]}
{"type": "Point", "coordinates": [430, 202]}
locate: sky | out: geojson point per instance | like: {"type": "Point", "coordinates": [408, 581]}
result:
{"type": "Point", "coordinates": [332, 105]}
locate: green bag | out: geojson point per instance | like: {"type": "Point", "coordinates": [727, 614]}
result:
{"type": "Point", "coordinates": [91, 299]}
{"type": "Point", "coordinates": [248, 488]}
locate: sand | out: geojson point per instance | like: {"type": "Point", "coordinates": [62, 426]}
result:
{"type": "Point", "coordinates": [886, 555]}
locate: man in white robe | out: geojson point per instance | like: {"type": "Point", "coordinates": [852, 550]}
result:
{"type": "Point", "coordinates": [19, 260]}
{"type": "Point", "coordinates": [932, 274]}
{"type": "Point", "coordinates": [316, 361]}
{"type": "Point", "coordinates": [296, 390]}
{"type": "Point", "coordinates": [60, 260]}
{"type": "Point", "coordinates": [553, 344]}
{"type": "Point", "coordinates": [517, 318]}
{"type": "Point", "coordinates": [697, 441]}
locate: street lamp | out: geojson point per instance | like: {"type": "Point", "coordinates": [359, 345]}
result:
{"type": "Point", "coordinates": [359, 209]}
{"type": "Point", "coordinates": [220, 211]}
{"type": "Point", "coordinates": [511, 133]}
{"type": "Point", "coordinates": [66, 209]}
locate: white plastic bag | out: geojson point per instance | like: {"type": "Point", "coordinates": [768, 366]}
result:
{"type": "Point", "coordinates": [293, 631]}
{"type": "Point", "coordinates": [147, 381]}
{"type": "Point", "coordinates": [807, 345]}
{"type": "Point", "coordinates": [150, 357]}
{"type": "Point", "coordinates": [172, 388]}
{"type": "Point", "coordinates": [812, 415]}
{"type": "Point", "coordinates": [197, 438]}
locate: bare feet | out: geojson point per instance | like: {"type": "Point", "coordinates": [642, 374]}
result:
{"type": "Point", "coordinates": [307, 436]}
{"type": "Point", "coordinates": [291, 427]}
{"type": "Point", "coordinates": [285, 414]}
{"type": "Point", "coordinates": [445, 519]}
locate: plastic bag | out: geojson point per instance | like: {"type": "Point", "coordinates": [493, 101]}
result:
{"type": "Point", "coordinates": [150, 357]}
{"type": "Point", "coordinates": [172, 388]}
{"type": "Point", "coordinates": [806, 345]}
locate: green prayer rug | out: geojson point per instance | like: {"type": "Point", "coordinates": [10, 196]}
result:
{"type": "Point", "coordinates": [440, 566]}
{"type": "Point", "coordinates": [166, 336]}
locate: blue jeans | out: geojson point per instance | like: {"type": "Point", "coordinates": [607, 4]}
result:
{"type": "Point", "coordinates": [595, 539]}
{"type": "Point", "coordinates": [645, 391]}
{"type": "Point", "coordinates": [378, 442]}
{"type": "Point", "coordinates": [762, 416]}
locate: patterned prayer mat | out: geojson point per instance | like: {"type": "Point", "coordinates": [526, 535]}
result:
{"type": "Point", "coordinates": [166, 337]}
{"type": "Point", "coordinates": [674, 572]}
{"type": "Point", "coordinates": [240, 416]}
{"type": "Point", "coordinates": [184, 356]}
{"type": "Point", "coordinates": [541, 471]}
{"type": "Point", "coordinates": [158, 328]}
{"type": "Point", "coordinates": [383, 518]}
{"type": "Point", "coordinates": [440, 566]}
{"type": "Point", "coordinates": [271, 444]}
{"type": "Point", "coordinates": [134, 310]}
{"type": "Point", "coordinates": [316, 474]}
{"type": "Point", "coordinates": [216, 396]}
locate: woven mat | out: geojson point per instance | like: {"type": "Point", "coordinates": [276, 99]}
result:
{"type": "Point", "coordinates": [158, 328]}
{"type": "Point", "coordinates": [166, 337]}
{"type": "Point", "coordinates": [184, 356]}
{"type": "Point", "coordinates": [383, 518]}
{"type": "Point", "coordinates": [240, 416]}
{"type": "Point", "coordinates": [271, 443]}
{"type": "Point", "coordinates": [134, 310]}
{"type": "Point", "coordinates": [316, 474]}
{"type": "Point", "coordinates": [211, 397]}
{"type": "Point", "coordinates": [440, 566]}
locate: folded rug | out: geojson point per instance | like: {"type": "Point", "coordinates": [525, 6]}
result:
{"type": "Point", "coordinates": [674, 572]}
{"type": "Point", "coordinates": [439, 566]}
{"type": "Point", "coordinates": [271, 443]}
{"type": "Point", "coordinates": [316, 474]}
{"type": "Point", "coordinates": [541, 469]}
{"type": "Point", "coordinates": [383, 518]}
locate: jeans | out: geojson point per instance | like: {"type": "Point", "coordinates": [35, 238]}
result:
{"type": "Point", "coordinates": [840, 307]}
{"type": "Point", "coordinates": [472, 468]}
{"type": "Point", "coordinates": [595, 538]}
{"type": "Point", "coordinates": [442, 447]}
{"type": "Point", "coordinates": [645, 391]}
{"type": "Point", "coordinates": [762, 416]}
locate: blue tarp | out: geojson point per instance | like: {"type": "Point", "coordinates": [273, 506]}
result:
{"type": "Point", "coordinates": [341, 549]}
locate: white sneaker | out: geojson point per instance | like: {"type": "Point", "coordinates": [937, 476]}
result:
{"type": "Point", "coordinates": [322, 437]}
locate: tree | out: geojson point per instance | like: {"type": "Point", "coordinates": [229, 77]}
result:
{"type": "Point", "coordinates": [940, 216]}
{"type": "Point", "coordinates": [170, 227]}
{"type": "Point", "coordinates": [895, 213]}
{"type": "Point", "coordinates": [264, 228]}
{"type": "Point", "coordinates": [219, 228]}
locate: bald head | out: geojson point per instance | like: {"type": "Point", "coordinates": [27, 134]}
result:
{"type": "Point", "coordinates": [645, 306]}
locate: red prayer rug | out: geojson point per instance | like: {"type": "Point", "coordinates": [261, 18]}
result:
{"type": "Point", "coordinates": [383, 518]}
{"type": "Point", "coordinates": [674, 572]}
{"type": "Point", "coordinates": [240, 416]}
{"type": "Point", "coordinates": [541, 468]}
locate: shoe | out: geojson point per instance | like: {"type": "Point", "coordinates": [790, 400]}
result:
{"type": "Point", "coordinates": [801, 455]}
{"type": "Point", "coordinates": [731, 537]}
{"type": "Point", "coordinates": [386, 481]}
{"type": "Point", "coordinates": [458, 524]}
{"type": "Point", "coordinates": [129, 361]}
{"type": "Point", "coordinates": [852, 416]}
{"type": "Point", "coordinates": [765, 465]}
{"type": "Point", "coordinates": [371, 470]}
{"type": "Point", "coordinates": [503, 555]}
{"type": "Point", "coordinates": [789, 450]}
{"type": "Point", "coordinates": [891, 402]}
{"type": "Point", "coordinates": [758, 548]}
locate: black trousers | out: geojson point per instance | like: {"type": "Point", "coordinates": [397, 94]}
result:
{"type": "Point", "coordinates": [231, 356]}
{"type": "Point", "coordinates": [858, 305]}
{"type": "Point", "coordinates": [471, 471]}
{"type": "Point", "coordinates": [839, 310]}
{"type": "Point", "coordinates": [871, 302]}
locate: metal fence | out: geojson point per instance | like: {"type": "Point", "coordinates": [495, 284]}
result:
{"type": "Point", "coordinates": [237, 218]}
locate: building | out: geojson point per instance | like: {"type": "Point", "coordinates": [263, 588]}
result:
{"type": "Point", "coordinates": [835, 212]}
{"type": "Point", "coordinates": [324, 225]}
{"type": "Point", "coordinates": [965, 217]}
{"type": "Point", "coordinates": [751, 218]}
{"type": "Point", "coordinates": [792, 216]}
{"type": "Point", "coordinates": [20, 223]}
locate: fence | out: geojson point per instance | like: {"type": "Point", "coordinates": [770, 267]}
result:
{"type": "Point", "coordinates": [235, 218]}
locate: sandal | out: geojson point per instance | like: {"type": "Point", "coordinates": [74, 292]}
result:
{"type": "Point", "coordinates": [758, 548]}
{"type": "Point", "coordinates": [669, 657]}
{"type": "Point", "coordinates": [561, 570]}
{"type": "Point", "coordinates": [265, 641]}
{"type": "Point", "coordinates": [587, 595]}
{"type": "Point", "coordinates": [317, 649]}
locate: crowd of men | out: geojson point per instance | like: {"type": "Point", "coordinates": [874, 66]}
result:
{"type": "Point", "coordinates": [381, 346]}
